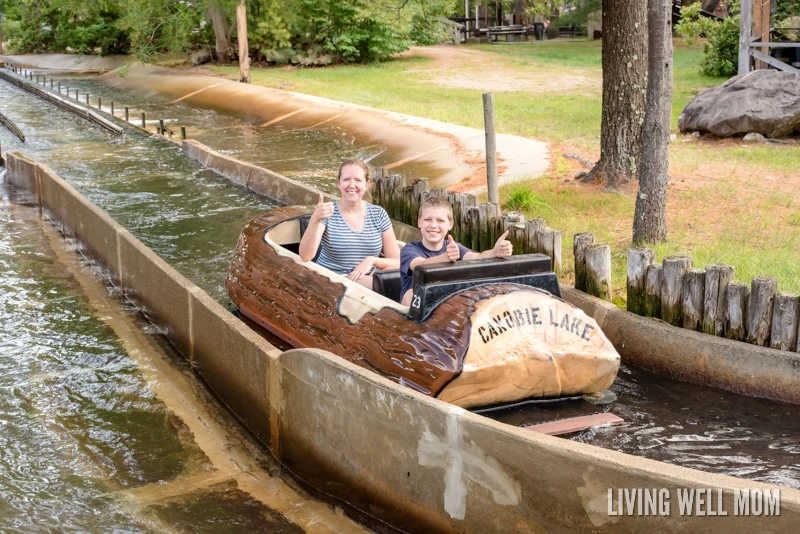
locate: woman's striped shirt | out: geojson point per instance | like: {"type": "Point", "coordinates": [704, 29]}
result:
{"type": "Point", "coordinates": [342, 248]}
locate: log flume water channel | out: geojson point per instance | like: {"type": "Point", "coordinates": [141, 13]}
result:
{"type": "Point", "coordinates": [192, 218]}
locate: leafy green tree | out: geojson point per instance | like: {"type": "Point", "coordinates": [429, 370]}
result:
{"type": "Point", "coordinates": [157, 27]}
{"type": "Point", "coordinates": [785, 9]}
{"type": "Point", "coordinates": [69, 26]}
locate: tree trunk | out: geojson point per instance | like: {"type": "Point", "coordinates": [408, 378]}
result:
{"type": "Point", "coordinates": [244, 50]}
{"type": "Point", "coordinates": [624, 87]}
{"type": "Point", "coordinates": [221, 33]}
{"type": "Point", "coordinates": [650, 215]}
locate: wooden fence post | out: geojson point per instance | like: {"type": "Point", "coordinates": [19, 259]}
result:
{"type": "Point", "coordinates": [580, 242]}
{"type": "Point", "coordinates": [715, 301]}
{"type": "Point", "coordinates": [653, 286]}
{"type": "Point", "coordinates": [674, 267]}
{"type": "Point", "coordinates": [557, 240]}
{"type": "Point", "coordinates": [532, 228]}
{"type": "Point", "coordinates": [491, 147]}
{"type": "Point", "coordinates": [692, 293]}
{"type": "Point", "coordinates": [759, 316]}
{"type": "Point", "coordinates": [549, 244]}
{"type": "Point", "coordinates": [514, 222]}
{"type": "Point", "coordinates": [785, 313]}
{"type": "Point", "coordinates": [639, 259]}
{"type": "Point", "coordinates": [736, 313]}
{"type": "Point", "coordinates": [598, 271]}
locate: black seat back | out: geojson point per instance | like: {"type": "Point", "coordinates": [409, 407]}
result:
{"type": "Point", "coordinates": [434, 283]}
{"type": "Point", "coordinates": [387, 283]}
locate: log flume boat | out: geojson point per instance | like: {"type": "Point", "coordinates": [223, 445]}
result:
{"type": "Point", "coordinates": [478, 333]}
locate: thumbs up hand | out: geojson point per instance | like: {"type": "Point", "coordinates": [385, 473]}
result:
{"type": "Point", "coordinates": [322, 211]}
{"type": "Point", "coordinates": [452, 251]}
{"type": "Point", "coordinates": [503, 247]}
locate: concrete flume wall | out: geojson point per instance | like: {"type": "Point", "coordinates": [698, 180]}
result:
{"type": "Point", "coordinates": [414, 461]}
{"type": "Point", "coordinates": [694, 357]}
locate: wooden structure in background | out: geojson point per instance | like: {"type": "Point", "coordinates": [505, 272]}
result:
{"type": "Point", "coordinates": [754, 38]}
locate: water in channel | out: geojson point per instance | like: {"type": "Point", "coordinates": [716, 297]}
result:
{"type": "Point", "coordinates": [96, 434]}
{"type": "Point", "coordinates": [192, 218]}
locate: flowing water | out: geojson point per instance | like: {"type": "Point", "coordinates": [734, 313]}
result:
{"type": "Point", "coordinates": [95, 434]}
{"type": "Point", "coordinates": [80, 420]}
{"type": "Point", "coordinates": [311, 155]}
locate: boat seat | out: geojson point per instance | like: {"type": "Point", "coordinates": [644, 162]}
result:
{"type": "Point", "coordinates": [434, 282]}
{"type": "Point", "coordinates": [387, 283]}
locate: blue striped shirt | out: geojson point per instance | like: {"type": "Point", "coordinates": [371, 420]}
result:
{"type": "Point", "coordinates": [342, 248]}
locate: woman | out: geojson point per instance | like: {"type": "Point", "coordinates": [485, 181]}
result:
{"type": "Point", "coordinates": [351, 233]}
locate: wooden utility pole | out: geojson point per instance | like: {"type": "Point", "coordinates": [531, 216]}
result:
{"type": "Point", "coordinates": [761, 17]}
{"type": "Point", "coordinates": [2, 20]}
{"type": "Point", "coordinates": [244, 52]}
{"type": "Point", "coordinates": [745, 29]}
{"type": "Point", "coordinates": [491, 148]}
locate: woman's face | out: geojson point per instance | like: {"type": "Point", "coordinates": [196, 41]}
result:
{"type": "Point", "coordinates": [352, 183]}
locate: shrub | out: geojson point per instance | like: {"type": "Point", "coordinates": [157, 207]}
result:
{"type": "Point", "coordinates": [525, 200]}
{"type": "Point", "coordinates": [721, 50]}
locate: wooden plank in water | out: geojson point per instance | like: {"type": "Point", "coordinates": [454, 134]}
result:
{"type": "Point", "coordinates": [575, 424]}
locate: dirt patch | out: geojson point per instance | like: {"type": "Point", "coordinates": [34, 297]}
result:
{"type": "Point", "coordinates": [454, 67]}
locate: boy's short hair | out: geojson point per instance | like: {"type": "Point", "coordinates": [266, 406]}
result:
{"type": "Point", "coordinates": [437, 201]}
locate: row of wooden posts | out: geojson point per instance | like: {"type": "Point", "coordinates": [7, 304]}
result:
{"type": "Point", "coordinates": [478, 226]}
{"type": "Point", "coordinates": [161, 129]}
{"type": "Point", "coordinates": [709, 300]}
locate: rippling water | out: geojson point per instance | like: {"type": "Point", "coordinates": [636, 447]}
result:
{"type": "Point", "coordinates": [192, 218]}
{"type": "Point", "coordinates": [187, 215]}
{"type": "Point", "coordinates": [77, 421]}
{"type": "Point", "coordinates": [309, 155]}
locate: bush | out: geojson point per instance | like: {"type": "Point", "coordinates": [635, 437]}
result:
{"type": "Point", "coordinates": [721, 50]}
{"type": "Point", "coordinates": [786, 8]}
{"type": "Point", "coordinates": [552, 30]}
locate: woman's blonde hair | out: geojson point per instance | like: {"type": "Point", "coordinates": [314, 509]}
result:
{"type": "Point", "coordinates": [356, 163]}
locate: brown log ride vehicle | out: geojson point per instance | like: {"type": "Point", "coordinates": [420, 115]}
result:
{"type": "Point", "coordinates": [478, 333]}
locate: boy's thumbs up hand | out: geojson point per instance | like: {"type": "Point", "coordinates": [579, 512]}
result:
{"type": "Point", "coordinates": [503, 247]}
{"type": "Point", "coordinates": [323, 210]}
{"type": "Point", "coordinates": [452, 251]}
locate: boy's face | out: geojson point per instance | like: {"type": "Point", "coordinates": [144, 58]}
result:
{"type": "Point", "coordinates": [435, 223]}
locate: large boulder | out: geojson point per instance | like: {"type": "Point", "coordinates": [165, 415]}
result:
{"type": "Point", "coordinates": [762, 101]}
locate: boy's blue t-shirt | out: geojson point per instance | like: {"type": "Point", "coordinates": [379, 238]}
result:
{"type": "Point", "coordinates": [415, 249]}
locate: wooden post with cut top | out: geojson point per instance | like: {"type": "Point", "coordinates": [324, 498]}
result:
{"type": "Point", "coordinates": [491, 147]}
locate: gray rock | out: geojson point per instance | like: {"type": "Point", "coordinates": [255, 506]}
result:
{"type": "Point", "coordinates": [762, 101]}
{"type": "Point", "coordinates": [753, 137]}
{"type": "Point", "coordinates": [200, 57]}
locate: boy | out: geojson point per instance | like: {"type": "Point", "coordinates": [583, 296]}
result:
{"type": "Point", "coordinates": [435, 221]}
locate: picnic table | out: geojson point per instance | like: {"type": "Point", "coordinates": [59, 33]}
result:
{"type": "Point", "coordinates": [510, 33]}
